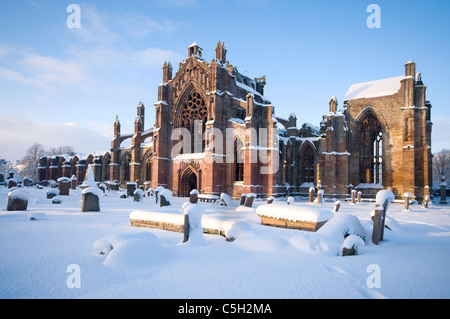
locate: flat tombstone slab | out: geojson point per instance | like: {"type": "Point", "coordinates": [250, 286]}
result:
{"type": "Point", "coordinates": [90, 203]}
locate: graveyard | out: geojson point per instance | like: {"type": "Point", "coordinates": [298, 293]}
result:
{"type": "Point", "coordinates": [148, 244]}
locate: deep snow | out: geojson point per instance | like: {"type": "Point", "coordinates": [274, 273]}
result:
{"type": "Point", "coordinates": [116, 260]}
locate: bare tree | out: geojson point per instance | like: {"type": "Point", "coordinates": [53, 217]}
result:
{"type": "Point", "coordinates": [62, 150]}
{"type": "Point", "coordinates": [441, 165]}
{"type": "Point", "coordinates": [30, 162]}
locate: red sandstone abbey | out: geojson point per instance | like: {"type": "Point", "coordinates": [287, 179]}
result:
{"type": "Point", "coordinates": [234, 143]}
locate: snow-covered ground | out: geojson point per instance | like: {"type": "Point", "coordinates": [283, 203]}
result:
{"type": "Point", "coordinates": [68, 254]}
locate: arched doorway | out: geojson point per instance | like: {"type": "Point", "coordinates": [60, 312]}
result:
{"type": "Point", "coordinates": [188, 183]}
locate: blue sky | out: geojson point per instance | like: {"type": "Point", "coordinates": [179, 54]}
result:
{"type": "Point", "coordinates": [65, 86]}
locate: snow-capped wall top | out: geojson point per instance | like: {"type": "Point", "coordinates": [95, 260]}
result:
{"type": "Point", "coordinates": [376, 88]}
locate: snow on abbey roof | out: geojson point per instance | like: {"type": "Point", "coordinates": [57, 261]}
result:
{"type": "Point", "coordinates": [376, 88]}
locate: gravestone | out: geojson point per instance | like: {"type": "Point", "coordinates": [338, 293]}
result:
{"type": "Point", "coordinates": [243, 198]}
{"type": "Point", "coordinates": [73, 182]}
{"type": "Point", "coordinates": [290, 200]}
{"type": "Point", "coordinates": [378, 222]}
{"type": "Point", "coordinates": [56, 200]}
{"type": "Point", "coordinates": [17, 200]}
{"type": "Point", "coordinates": [165, 198]}
{"type": "Point", "coordinates": [131, 187]}
{"type": "Point", "coordinates": [27, 182]}
{"type": "Point", "coordinates": [12, 183]}
{"type": "Point", "coordinates": [63, 186]}
{"type": "Point", "coordinates": [138, 195]}
{"type": "Point", "coordinates": [311, 194]}
{"type": "Point", "coordinates": [193, 196]}
{"type": "Point", "coordinates": [407, 198]}
{"type": "Point", "coordinates": [158, 191]}
{"type": "Point", "coordinates": [90, 200]}
{"type": "Point", "coordinates": [426, 196]}
{"type": "Point", "coordinates": [114, 186]}
{"type": "Point", "coordinates": [352, 200]}
{"type": "Point", "coordinates": [52, 192]}
{"type": "Point", "coordinates": [337, 205]}
{"type": "Point", "coordinates": [320, 196]}
{"type": "Point", "coordinates": [249, 200]}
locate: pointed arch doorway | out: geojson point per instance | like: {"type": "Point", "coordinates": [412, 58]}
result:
{"type": "Point", "coordinates": [189, 181]}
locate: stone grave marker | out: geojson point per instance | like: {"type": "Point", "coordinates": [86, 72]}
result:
{"type": "Point", "coordinates": [17, 200]}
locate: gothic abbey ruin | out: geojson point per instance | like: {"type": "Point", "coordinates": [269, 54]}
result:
{"type": "Point", "coordinates": [380, 138]}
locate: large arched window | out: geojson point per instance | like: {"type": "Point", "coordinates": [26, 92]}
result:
{"type": "Point", "coordinates": [193, 117]}
{"type": "Point", "coordinates": [238, 160]}
{"type": "Point", "coordinates": [307, 167]}
{"type": "Point", "coordinates": [125, 167]}
{"type": "Point", "coordinates": [149, 170]}
{"type": "Point", "coordinates": [370, 150]}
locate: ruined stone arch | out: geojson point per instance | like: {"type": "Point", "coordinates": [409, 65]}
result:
{"type": "Point", "coordinates": [308, 162]}
{"type": "Point", "coordinates": [124, 168]}
{"type": "Point", "coordinates": [147, 166]}
{"type": "Point", "coordinates": [106, 161]}
{"type": "Point", "coordinates": [73, 165]}
{"type": "Point", "coordinates": [370, 135]}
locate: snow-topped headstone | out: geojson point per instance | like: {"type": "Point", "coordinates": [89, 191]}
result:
{"type": "Point", "coordinates": [383, 199]}
{"type": "Point", "coordinates": [91, 199]}
{"type": "Point", "coordinates": [249, 200]}
{"type": "Point", "coordinates": [131, 187]}
{"type": "Point", "coordinates": [165, 198]}
{"type": "Point", "coordinates": [64, 186]}
{"type": "Point", "coordinates": [193, 196]}
{"type": "Point", "coordinates": [138, 195]}
{"type": "Point", "coordinates": [17, 200]}
{"type": "Point", "coordinates": [443, 191]}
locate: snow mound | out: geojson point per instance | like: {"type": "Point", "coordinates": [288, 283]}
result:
{"type": "Point", "coordinates": [130, 251]}
{"type": "Point", "coordinates": [195, 212]}
{"type": "Point", "coordinates": [19, 193]}
{"type": "Point", "coordinates": [37, 216]}
{"type": "Point", "coordinates": [255, 241]}
{"type": "Point", "coordinates": [313, 244]}
{"type": "Point", "coordinates": [234, 229]}
{"type": "Point", "coordinates": [353, 240]}
{"type": "Point", "coordinates": [227, 200]}
{"type": "Point", "coordinates": [341, 226]}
